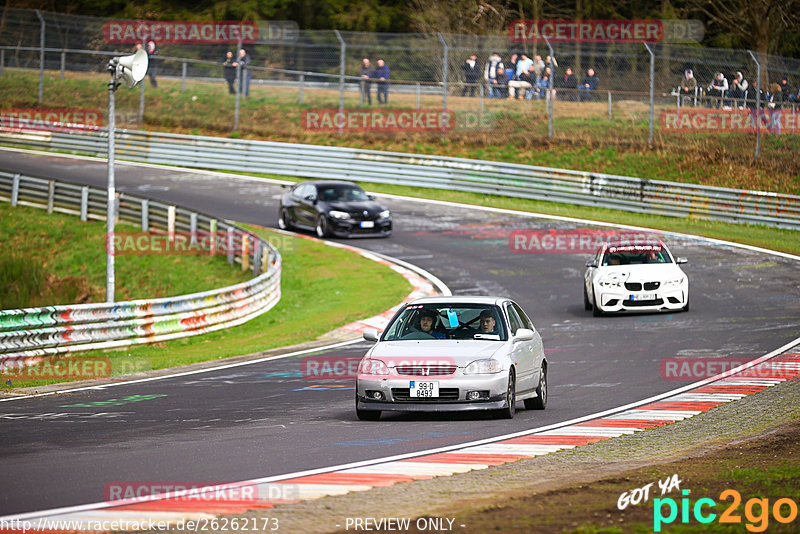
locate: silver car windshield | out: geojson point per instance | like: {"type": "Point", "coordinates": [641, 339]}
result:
{"type": "Point", "coordinates": [448, 321]}
{"type": "Point", "coordinates": [636, 255]}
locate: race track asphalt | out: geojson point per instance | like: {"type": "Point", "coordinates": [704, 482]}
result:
{"type": "Point", "coordinates": [265, 419]}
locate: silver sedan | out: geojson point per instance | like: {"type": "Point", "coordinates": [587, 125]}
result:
{"type": "Point", "coordinates": [453, 354]}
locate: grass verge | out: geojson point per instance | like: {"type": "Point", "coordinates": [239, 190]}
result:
{"type": "Point", "coordinates": [310, 270]}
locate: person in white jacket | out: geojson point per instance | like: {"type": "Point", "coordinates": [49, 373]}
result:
{"type": "Point", "coordinates": [739, 89]}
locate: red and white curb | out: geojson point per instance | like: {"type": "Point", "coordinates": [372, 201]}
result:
{"type": "Point", "coordinates": [661, 410]}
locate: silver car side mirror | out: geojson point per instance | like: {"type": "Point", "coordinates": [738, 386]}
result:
{"type": "Point", "coordinates": [523, 334]}
{"type": "Point", "coordinates": [371, 334]}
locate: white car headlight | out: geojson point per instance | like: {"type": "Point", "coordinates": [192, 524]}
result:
{"type": "Point", "coordinates": [372, 367]}
{"type": "Point", "coordinates": [675, 282]}
{"type": "Point", "coordinates": [482, 367]}
{"type": "Point", "coordinates": [613, 280]}
{"type": "Point", "coordinates": [339, 214]}
{"type": "Point", "coordinates": [384, 214]}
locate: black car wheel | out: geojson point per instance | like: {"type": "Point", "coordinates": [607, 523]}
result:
{"type": "Point", "coordinates": [511, 398]}
{"type": "Point", "coordinates": [322, 226]}
{"type": "Point", "coordinates": [540, 402]}
{"type": "Point", "coordinates": [586, 304]}
{"type": "Point", "coordinates": [596, 311]}
{"type": "Point", "coordinates": [367, 415]}
{"type": "Point", "coordinates": [284, 222]}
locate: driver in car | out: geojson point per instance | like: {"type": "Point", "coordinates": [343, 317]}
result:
{"type": "Point", "coordinates": [427, 320]}
{"type": "Point", "coordinates": [488, 323]}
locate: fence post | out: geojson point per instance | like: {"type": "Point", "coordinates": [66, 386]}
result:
{"type": "Point", "coordinates": [550, 92]}
{"type": "Point", "coordinates": [212, 230]}
{"type": "Point", "coordinates": [342, 50]}
{"type": "Point", "coordinates": [51, 194]}
{"type": "Point", "coordinates": [239, 81]}
{"type": "Point", "coordinates": [609, 105]}
{"type": "Point", "coordinates": [2, 61]}
{"type": "Point", "coordinates": [230, 245]}
{"type": "Point", "coordinates": [84, 203]}
{"type": "Point", "coordinates": [652, 84]}
{"type": "Point", "coordinates": [145, 215]}
{"type": "Point", "coordinates": [183, 76]}
{"type": "Point", "coordinates": [63, 62]}
{"type": "Point", "coordinates": [41, 54]}
{"type": "Point", "coordinates": [245, 252]}
{"type": "Point", "coordinates": [444, 71]}
{"type": "Point", "coordinates": [15, 190]}
{"type": "Point", "coordinates": [300, 94]}
{"type": "Point", "coordinates": [141, 102]}
{"type": "Point", "coordinates": [418, 94]}
{"type": "Point", "coordinates": [758, 101]}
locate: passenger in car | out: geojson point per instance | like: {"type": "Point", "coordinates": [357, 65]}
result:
{"type": "Point", "coordinates": [488, 323]}
{"type": "Point", "coordinates": [427, 324]}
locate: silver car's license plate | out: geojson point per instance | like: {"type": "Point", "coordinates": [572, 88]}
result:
{"type": "Point", "coordinates": [419, 389]}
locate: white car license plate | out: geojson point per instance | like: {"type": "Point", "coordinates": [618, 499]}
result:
{"type": "Point", "coordinates": [644, 296]}
{"type": "Point", "coordinates": [367, 224]}
{"type": "Point", "coordinates": [419, 389]}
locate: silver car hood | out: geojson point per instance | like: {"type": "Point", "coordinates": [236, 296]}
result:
{"type": "Point", "coordinates": [459, 351]}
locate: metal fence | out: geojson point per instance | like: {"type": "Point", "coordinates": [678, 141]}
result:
{"type": "Point", "coordinates": [321, 69]}
{"type": "Point", "coordinates": [440, 172]}
{"type": "Point", "coordinates": [52, 330]}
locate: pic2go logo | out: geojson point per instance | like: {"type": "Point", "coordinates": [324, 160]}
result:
{"type": "Point", "coordinates": [756, 511]}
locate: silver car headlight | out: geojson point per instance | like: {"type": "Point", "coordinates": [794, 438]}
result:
{"type": "Point", "coordinates": [384, 214]}
{"type": "Point", "coordinates": [483, 367]}
{"type": "Point", "coordinates": [339, 214]}
{"type": "Point", "coordinates": [372, 367]}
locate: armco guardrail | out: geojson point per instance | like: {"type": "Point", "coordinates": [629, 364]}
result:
{"type": "Point", "coordinates": [52, 330]}
{"type": "Point", "coordinates": [508, 179]}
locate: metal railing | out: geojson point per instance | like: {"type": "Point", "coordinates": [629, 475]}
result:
{"type": "Point", "coordinates": [50, 330]}
{"type": "Point", "coordinates": [439, 172]}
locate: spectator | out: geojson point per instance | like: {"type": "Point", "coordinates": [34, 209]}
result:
{"type": "Point", "coordinates": [502, 83]}
{"type": "Point", "coordinates": [588, 84]}
{"type": "Point", "coordinates": [229, 71]}
{"type": "Point", "coordinates": [512, 66]}
{"type": "Point", "coordinates": [543, 84]}
{"type": "Point", "coordinates": [366, 84]}
{"type": "Point", "coordinates": [787, 95]}
{"type": "Point", "coordinates": [382, 75]}
{"type": "Point", "coordinates": [538, 66]}
{"type": "Point", "coordinates": [569, 83]}
{"type": "Point", "coordinates": [718, 88]}
{"type": "Point", "coordinates": [552, 64]}
{"type": "Point", "coordinates": [522, 84]}
{"type": "Point", "coordinates": [688, 85]}
{"type": "Point", "coordinates": [490, 72]}
{"type": "Point", "coordinates": [523, 65]}
{"type": "Point", "coordinates": [244, 73]}
{"type": "Point", "coordinates": [472, 74]}
{"type": "Point", "coordinates": [152, 64]}
{"type": "Point", "coordinates": [739, 89]}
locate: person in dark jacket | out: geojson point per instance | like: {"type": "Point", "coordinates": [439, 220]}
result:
{"type": "Point", "coordinates": [588, 84]}
{"type": "Point", "coordinates": [243, 61]}
{"type": "Point", "coordinates": [366, 84]}
{"type": "Point", "coordinates": [569, 82]}
{"type": "Point", "coordinates": [229, 72]}
{"type": "Point", "coordinates": [152, 63]}
{"type": "Point", "coordinates": [472, 73]}
{"type": "Point", "coordinates": [382, 75]}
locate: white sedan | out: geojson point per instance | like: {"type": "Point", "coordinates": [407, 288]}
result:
{"type": "Point", "coordinates": [635, 278]}
{"type": "Point", "coordinates": [453, 354]}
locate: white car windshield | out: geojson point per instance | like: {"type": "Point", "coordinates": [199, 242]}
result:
{"type": "Point", "coordinates": [447, 321]}
{"type": "Point", "coordinates": [636, 255]}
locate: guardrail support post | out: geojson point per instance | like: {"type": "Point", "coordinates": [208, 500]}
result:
{"type": "Point", "coordinates": [84, 203]}
{"type": "Point", "coordinates": [63, 63]}
{"type": "Point", "coordinates": [230, 245]}
{"type": "Point", "coordinates": [193, 228]}
{"type": "Point", "coordinates": [212, 230]}
{"type": "Point", "coordinates": [145, 215]}
{"type": "Point", "coordinates": [257, 255]}
{"type": "Point", "coordinates": [183, 76]}
{"type": "Point", "coordinates": [171, 223]}
{"type": "Point", "coordinates": [15, 191]}
{"type": "Point", "coordinates": [245, 252]}
{"type": "Point", "coordinates": [300, 90]}
{"type": "Point", "coordinates": [51, 193]}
